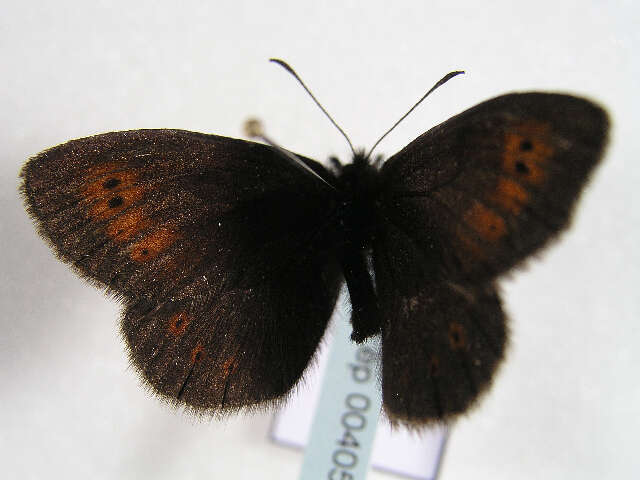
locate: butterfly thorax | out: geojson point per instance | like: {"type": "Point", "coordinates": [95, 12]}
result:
{"type": "Point", "coordinates": [359, 189]}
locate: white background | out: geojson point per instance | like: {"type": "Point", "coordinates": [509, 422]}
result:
{"type": "Point", "coordinates": [567, 402]}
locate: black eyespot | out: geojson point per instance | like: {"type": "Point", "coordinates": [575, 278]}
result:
{"type": "Point", "coordinates": [111, 183]}
{"type": "Point", "coordinates": [526, 145]}
{"type": "Point", "coordinates": [144, 251]}
{"type": "Point", "coordinates": [116, 202]}
{"type": "Point", "coordinates": [521, 167]}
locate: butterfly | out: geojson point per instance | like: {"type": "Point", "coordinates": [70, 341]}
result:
{"type": "Point", "coordinates": [228, 258]}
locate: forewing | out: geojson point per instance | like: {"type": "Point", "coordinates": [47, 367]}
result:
{"type": "Point", "coordinates": [126, 208]}
{"type": "Point", "coordinates": [202, 237]}
{"type": "Point", "coordinates": [490, 186]}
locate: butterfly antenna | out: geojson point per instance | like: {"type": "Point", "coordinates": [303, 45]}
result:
{"type": "Point", "coordinates": [253, 128]}
{"type": "Point", "coordinates": [288, 68]}
{"type": "Point", "coordinates": [441, 82]}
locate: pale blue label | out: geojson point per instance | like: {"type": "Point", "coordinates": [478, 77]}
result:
{"type": "Point", "coordinates": [346, 417]}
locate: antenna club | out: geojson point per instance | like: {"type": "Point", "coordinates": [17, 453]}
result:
{"type": "Point", "coordinates": [288, 68]}
{"type": "Point", "coordinates": [283, 64]}
{"type": "Point", "coordinates": [438, 84]}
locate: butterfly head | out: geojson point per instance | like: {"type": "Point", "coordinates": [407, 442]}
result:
{"type": "Point", "coordinates": [357, 179]}
{"type": "Point", "coordinates": [360, 159]}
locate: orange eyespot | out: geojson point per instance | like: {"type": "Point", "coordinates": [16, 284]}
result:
{"type": "Point", "coordinates": [457, 336]}
{"type": "Point", "coordinates": [105, 179]}
{"type": "Point", "coordinates": [526, 152]}
{"type": "Point", "coordinates": [115, 203]}
{"type": "Point", "coordinates": [178, 323]}
{"type": "Point", "coordinates": [151, 246]}
{"type": "Point", "coordinates": [489, 225]}
{"type": "Point", "coordinates": [197, 353]}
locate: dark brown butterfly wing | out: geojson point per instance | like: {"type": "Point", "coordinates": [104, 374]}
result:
{"type": "Point", "coordinates": [214, 246]}
{"type": "Point", "coordinates": [463, 203]}
{"type": "Point", "coordinates": [441, 342]}
{"type": "Point", "coordinates": [492, 185]}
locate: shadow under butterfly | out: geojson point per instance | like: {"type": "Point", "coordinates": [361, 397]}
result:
{"type": "Point", "coordinates": [228, 255]}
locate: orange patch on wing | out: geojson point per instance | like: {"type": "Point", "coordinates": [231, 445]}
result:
{"type": "Point", "coordinates": [197, 353]}
{"type": "Point", "coordinates": [527, 149]}
{"type": "Point", "coordinates": [127, 225]}
{"type": "Point", "coordinates": [153, 245]}
{"type": "Point", "coordinates": [106, 183]}
{"type": "Point", "coordinates": [509, 195]}
{"type": "Point", "coordinates": [115, 203]}
{"type": "Point", "coordinates": [178, 323]}
{"type": "Point", "coordinates": [489, 225]}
